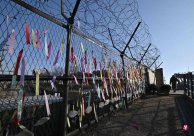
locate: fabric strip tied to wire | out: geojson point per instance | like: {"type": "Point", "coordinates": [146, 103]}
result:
{"type": "Point", "coordinates": [19, 111]}
{"type": "Point", "coordinates": [27, 34]}
{"type": "Point", "coordinates": [38, 39]}
{"type": "Point", "coordinates": [45, 43]}
{"type": "Point", "coordinates": [34, 39]}
{"type": "Point", "coordinates": [62, 46]}
{"type": "Point", "coordinates": [22, 72]}
{"type": "Point", "coordinates": [37, 82]}
{"type": "Point", "coordinates": [49, 50]}
{"type": "Point", "coordinates": [56, 58]}
{"type": "Point", "coordinates": [13, 83]}
{"type": "Point", "coordinates": [11, 46]}
{"type": "Point", "coordinates": [47, 104]}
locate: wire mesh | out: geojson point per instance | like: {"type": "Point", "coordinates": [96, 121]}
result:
{"type": "Point", "coordinates": [15, 17]}
{"type": "Point", "coordinates": [95, 17]}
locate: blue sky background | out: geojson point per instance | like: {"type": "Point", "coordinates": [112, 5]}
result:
{"type": "Point", "coordinates": [171, 23]}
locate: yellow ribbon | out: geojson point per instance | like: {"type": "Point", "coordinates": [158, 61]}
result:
{"type": "Point", "coordinates": [68, 122]}
{"type": "Point", "coordinates": [37, 83]}
{"type": "Point", "coordinates": [62, 46]}
{"type": "Point", "coordinates": [101, 74]}
{"type": "Point", "coordinates": [95, 112]}
{"type": "Point", "coordinates": [82, 46]}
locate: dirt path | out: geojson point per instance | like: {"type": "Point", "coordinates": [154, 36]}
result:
{"type": "Point", "coordinates": [149, 117]}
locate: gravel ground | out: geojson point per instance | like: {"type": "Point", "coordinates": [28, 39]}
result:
{"type": "Point", "coordinates": [156, 116]}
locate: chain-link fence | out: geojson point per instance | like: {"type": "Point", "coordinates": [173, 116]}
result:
{"type": "Point", "coordinates": [97, 84]}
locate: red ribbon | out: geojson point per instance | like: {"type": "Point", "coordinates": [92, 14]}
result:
{"type": "Point", "coordinates": [88, 73]}
{"type": "Point", "coordinates": [49, 50]}
{"type": "Point", "coordinates": [15, 120]}
{"type": "Point", "coordinates": [94, 60]}
{"type": "Point", "coordinates": [92, 55]}
{"type": "Point", "coordinates": [85, 57]}
{"type": "Point", "coordinates": [18, 62]}
{"type": "Point", "coordinates": [72, 56]}
{"type": "Point", "coordinates": [27, 34]}
{"type": "Point", "coordinates": [95, 64]}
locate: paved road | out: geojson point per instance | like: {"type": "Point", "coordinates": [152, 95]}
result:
{"type": "Point", "coordinates": [156, 116]}
{"type": "Point", "coordinates": [177, 92]}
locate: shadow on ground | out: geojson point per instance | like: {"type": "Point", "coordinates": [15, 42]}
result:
{"type": "Point", "coordinates": [156, 116]}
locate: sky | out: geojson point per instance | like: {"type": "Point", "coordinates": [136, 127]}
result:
{"type": "Point", "coordinates": [171, 24]}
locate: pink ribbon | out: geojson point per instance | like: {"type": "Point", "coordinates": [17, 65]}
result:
{"type": "Point", "coordinates": [83, 108]}
{"type": "Point", "coordinates": [49, 50]}
{"type": "Point", "coordinates": [103, 94]}
{"type": "Point", "coordinates": [56, 58]}
{"type": "Point", "coordinates": [12, 42]}
{"type": "Point", "coordinates": [47, 104]}
{"type": "Point", "coordinates": [75, 80]}
{"type": "Point", "coordinates": [72, 56]}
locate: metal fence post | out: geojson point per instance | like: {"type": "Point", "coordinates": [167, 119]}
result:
{"type": "Point", "coordinates": [66, 87]}
{"type": "Point", "coordinates": [124, 78]}
{"type": "Point", "coordinates": [70, 22]}
{"type": "Point", "coordinates": [191, 80]}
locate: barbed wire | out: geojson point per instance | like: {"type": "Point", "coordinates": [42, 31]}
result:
{"type": "Point", "coordinates": [94, 17]}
